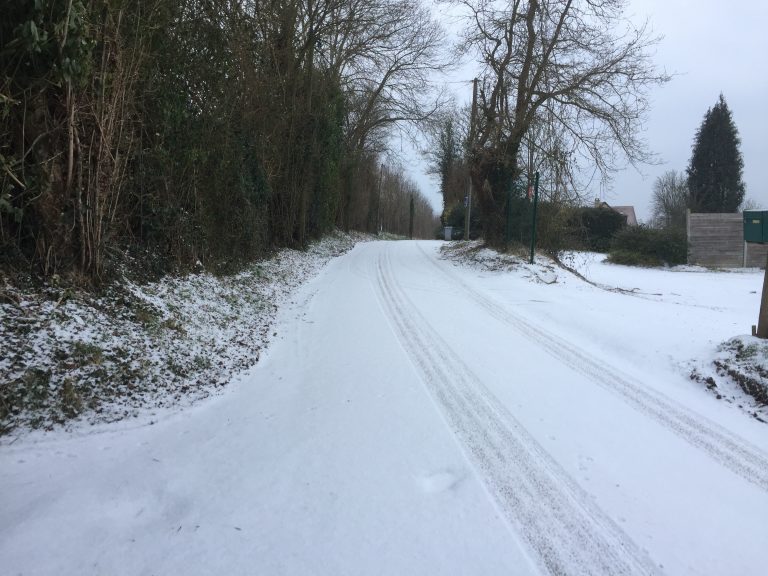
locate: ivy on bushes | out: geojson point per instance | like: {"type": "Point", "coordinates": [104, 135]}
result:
{"type": "Point", "coordinates": [644, 246]}
{"type": "Point", "coordinates": [203, 132]}
{"type": "Point", "coordinates": [455, 218]}
{"type": "Point", "coordinates": [599, 225]}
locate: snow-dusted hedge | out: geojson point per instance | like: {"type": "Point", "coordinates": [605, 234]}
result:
{"type": "Point", "coordinates": [74, 355]}
{"type": "Point", "coordinates": [643, 246]}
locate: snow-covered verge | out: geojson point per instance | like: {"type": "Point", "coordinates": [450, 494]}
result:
{"type": "Point", "coordinates": [740, 365]}
{"type": "Point", "coordinates": [734, 368]}
{"type": "Point", "coordinates": [477, 256]}
{"type": "Point", "coordinates": [73, 357]}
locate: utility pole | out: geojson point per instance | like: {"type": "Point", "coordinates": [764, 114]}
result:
{"type": "Point", "coordinates": [410, 224]}
{"type": "Point", "coordinates": [468, 210]}
{"type": "Point", "coordinates": [378, 202]}
{"type": "Point", "coordinates": [535, 206]}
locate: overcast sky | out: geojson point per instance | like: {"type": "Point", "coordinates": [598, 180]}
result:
{"type": "Point", "coordinates": [712, 47]}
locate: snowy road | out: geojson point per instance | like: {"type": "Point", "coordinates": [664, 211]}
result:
{"type": "Point", "coordinates": [419, 418]}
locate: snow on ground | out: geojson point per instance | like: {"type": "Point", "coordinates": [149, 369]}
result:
{"type": "Point", "coordinates": [730, 362]}
{"type": "Point", "coordinates": [700, 328]}
{"type": "Point", "coordinates": [420, 416]}
{"type": "Point", "coordinates": [136, 350]}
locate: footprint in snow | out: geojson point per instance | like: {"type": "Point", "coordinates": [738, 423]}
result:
{"type": "Point", "coordinates": [584, 462]}
{"type": "Point", "coordinates": [439, 482]}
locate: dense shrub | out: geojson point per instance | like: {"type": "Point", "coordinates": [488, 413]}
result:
{"type": "Point", "coordinates": [455, 217]}
{"type": "Point", "coordinates": [598, 226]}
{"type": "Point", "coordinates": [556, 228]}
{"type": "Point", "coordinates": [555, 231]}
{"type": "Point", "coordinates": [630, 258]}
{"type": "Point", "coordinates": [207, 132]}
{"type": "Point", "coordinates": [560, 226]}
{"type": "Point", "coordinates": [643, 246]}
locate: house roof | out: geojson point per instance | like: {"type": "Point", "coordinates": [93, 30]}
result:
{"type": "Point", "coordinates": [629, 212]}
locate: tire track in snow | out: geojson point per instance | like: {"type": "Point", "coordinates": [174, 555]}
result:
{"type": "Point", "coordinates": [727, 448]}
{"type": "Point", "coordinates": [565, 531]}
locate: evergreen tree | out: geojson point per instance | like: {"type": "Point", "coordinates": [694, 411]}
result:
{"type": "Point", "coordinates": [715, 170]}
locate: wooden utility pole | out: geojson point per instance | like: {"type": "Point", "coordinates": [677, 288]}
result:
{"type": "Point", "coordinates": [410, 224]}
{"type": "Point", "coordinates": [762, 320]}
{"type": "Point", "coordinates": [378, 202]}
{"type": "Point", "coordinates": [533, 219]}
{"type": "Point", "coordinates": [468, 210]}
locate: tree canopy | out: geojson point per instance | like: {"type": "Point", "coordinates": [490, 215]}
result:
{"type": "Point", "coordinates": [578, 71]}
{"type": "Point", "coordinates": [715, 171]}
{"type": "Point", "coordinates": [208, 130]}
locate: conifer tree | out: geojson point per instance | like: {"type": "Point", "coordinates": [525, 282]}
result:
{"type": "Point", "coordinates": [715, 170]}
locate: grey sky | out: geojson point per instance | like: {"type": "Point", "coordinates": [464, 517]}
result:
{"type": "Point", "coordinates": [712, 47]}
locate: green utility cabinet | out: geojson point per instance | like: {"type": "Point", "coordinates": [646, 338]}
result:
{"type": "Point", "coordinates": [756, 226]}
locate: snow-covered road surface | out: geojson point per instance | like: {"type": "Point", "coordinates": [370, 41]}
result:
{"type": "Point", "coordinates": [414, 417]}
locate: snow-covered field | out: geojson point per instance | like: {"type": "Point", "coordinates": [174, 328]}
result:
{"type": "Point", "coordinates": [419, 415]}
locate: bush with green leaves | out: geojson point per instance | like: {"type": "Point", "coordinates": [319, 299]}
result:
{"type": "Point", "coordinates": [201, 132]}
{"type": "Point", "coordinates": [598, 226]}
{"type": "Point", "coordinates": [455, 218]}
{"type": "Point", "coordinates": [643, 246]}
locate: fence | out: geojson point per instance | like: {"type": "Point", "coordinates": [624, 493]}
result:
{"type": "Point", "coordinates": [717, 241]}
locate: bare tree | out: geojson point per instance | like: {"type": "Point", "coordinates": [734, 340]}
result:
{"type": "Point", "coordinates": [670, 200]}
{"type": "Point", "coordinates": [547, 149]}
{"type": "Point", "coordinates": [383, 53]}
{"type": "Point", "coordinates": [578, 65]}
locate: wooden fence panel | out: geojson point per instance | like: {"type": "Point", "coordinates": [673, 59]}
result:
{"type": "Point", "coordinates": [756, 255]}
{"type": "Point", "coordinates": [716, 240]}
